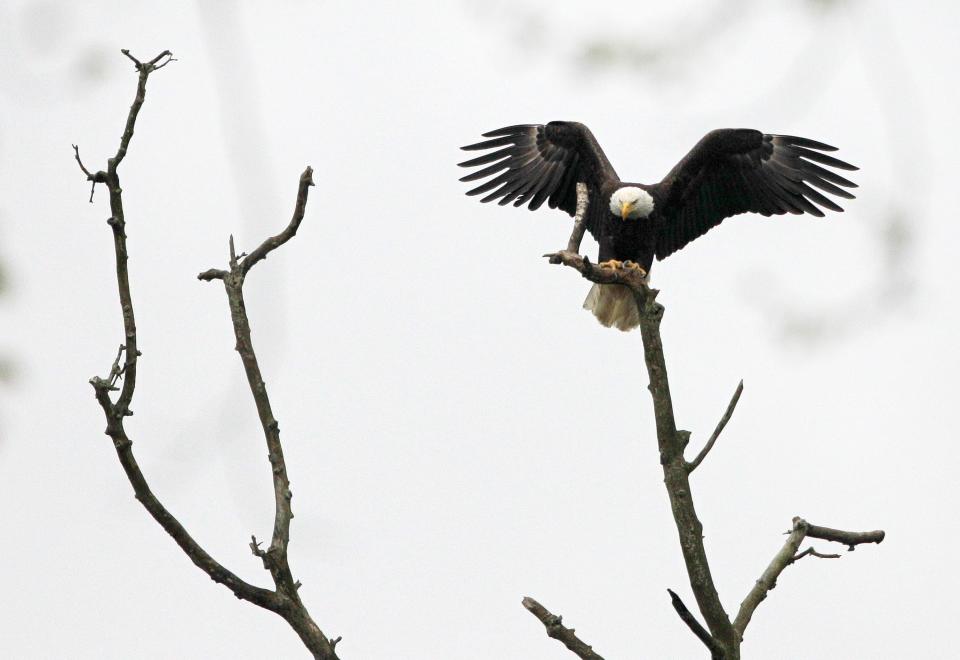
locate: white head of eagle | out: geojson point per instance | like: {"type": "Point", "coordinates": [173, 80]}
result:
{"type": "Point", "coordinates": [631, 203]}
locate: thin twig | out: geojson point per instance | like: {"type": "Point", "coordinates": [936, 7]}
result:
{"type": "Point", "coordinates": [272, 243]}
{"type": "Point", "coordinates": [170, 58]}
{"type": "Point", "coordinates": [93, 178]}
{"type": "Point", "coordinates": [811, 552]}
{"type": "Point", "coordinates": [144, 71]}
{"type": "Point", "coordinates": [717, 431]}
{"type": "Point", "coordinates": [153, 64]}
{"type": "Point", "coordinates": [136, 63]}
{"type": "Point", "coordinates": [83, 168]}
{"type": "Point", "coordinates": [556, 630]}
{"type": "Point", "coordinates": [716, 653]}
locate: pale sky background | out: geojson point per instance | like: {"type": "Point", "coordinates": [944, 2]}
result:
{"type": "Point", "coordinates": [459, 432]}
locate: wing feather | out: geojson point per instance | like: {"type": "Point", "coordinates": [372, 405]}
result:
{"type": "Point", "coordinates": [557, 173]}
{"type": "Point", "coordinates": [827, 175]}
{"type": "Point", "coordinates": [823, 159]}
{"type": "Point", "coordinates": [804, 142]}
{"type": "Point", "coordinates": [491, 144]}
{"type": "Point", "coordinates": [508, 130]}
{"type": "Point", "coordinates": [820, 199]}
{"type": "Point", "coordinates": [534, 163]}
{"type": "Point", "coordinates": [825, 186]}
{"type": "Point", "coordinates": [486, 171]}
{"type": "Point", "coordinates": [488, 158]}
{"type": "Point", "coordinates": [733, 171]}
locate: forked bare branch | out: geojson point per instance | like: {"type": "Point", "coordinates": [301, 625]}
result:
{"type": "Point", "coordinates": [283, 599]}
{"type": "Point", "coordinates": [788, 554]}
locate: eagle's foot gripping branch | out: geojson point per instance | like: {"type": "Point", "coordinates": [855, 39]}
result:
{"type": "Point", "coordinates": [634, 278]}
{"type": "Point", "coordinates": [633, 265]}
{"type": "Point", "coordinates": [612, 263]}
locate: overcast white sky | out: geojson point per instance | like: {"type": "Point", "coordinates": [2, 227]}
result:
{"type": "Point", "coordinates": [459, 432]}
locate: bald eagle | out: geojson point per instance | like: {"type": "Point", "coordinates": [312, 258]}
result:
{"type": "Point", "coordinates": [729, 171]}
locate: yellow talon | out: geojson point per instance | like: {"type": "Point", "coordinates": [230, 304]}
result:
{"type": "Point", "coordinates": [633, 265]}
{"type": "Point", "coordinates": [612, 263]}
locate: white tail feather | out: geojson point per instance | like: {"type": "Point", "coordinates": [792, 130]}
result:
{"type": "Point", "coordinates": [613, 305]}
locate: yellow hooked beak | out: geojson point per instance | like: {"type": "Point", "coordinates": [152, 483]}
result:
{"type": "Point", "coordinates": [625, 208]}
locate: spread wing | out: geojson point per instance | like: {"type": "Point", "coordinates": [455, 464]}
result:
{"type": "Point", "coordinates": [533, 163]}
{"type": "Point", "coordinates": [739, 170]}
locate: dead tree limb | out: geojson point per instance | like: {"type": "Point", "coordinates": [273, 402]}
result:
{"type": "Point", "coordinates": [283, 599]}
{"type": "Point", "coordinates": [716, 653]}
{"type": "Point", "coordinates": [275, 556]}
{"type": "Point", "coordinates": [849, 539]}
{"type": "Point", "coordinates": [556, 630]}
{"type": "Point", "coordinates": [787, 555]}
{"type": "Point", "coordinates": [692, 465]}
{"type": "Point", "coordinates": [722, 636]}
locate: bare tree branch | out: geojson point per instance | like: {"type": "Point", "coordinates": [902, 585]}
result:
{"type": "Point", "coordinates": [272, 243]}
{"type": "Point", "coordinates": [636, 279]}
{"type": "Point", "coordinates": [284, 600]}
{"type": "Point", "coordinates": [716, 653]}
{"type": "Point", "coordinates": [556, 630]}
{"type": "Point", "coordinates": [849, 539]}
{"type": "Point", "coordinates": [121, 408]}
{"type": "Point", "coordinates": [144, 70]}
{"type": "Point", "coordinates": [768, 580]}
{"type": "Point", "coordinates": [274, 558]}
{"type": "Point", "coordinates": [93, 178]}
{"type": "Point", "coordinates": [788, 555]}
{"type": "Point", "coordinates": [717, 431]}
